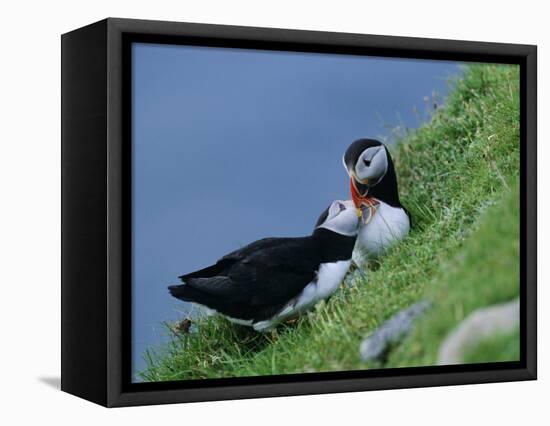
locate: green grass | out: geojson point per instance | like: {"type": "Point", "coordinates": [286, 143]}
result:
{"type": "Point", "coordinates": [458, 177]}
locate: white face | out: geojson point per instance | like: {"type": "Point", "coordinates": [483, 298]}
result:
{"type": "Point", "coordinates": [342, 218]}
{"type": "Point", "coordinates": [371, 165]}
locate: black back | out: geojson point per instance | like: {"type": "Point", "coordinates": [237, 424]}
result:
{"type": "Point", "coordinates": [256, 281]}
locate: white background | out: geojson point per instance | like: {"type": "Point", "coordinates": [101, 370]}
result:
{"type": "Point", "coordinates": [30, 200]}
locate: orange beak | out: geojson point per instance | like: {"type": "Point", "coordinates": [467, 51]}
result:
{"type": "Point", "coordinates": [357, 198]}
{"type": "Point", "coordinates": [366, 206]}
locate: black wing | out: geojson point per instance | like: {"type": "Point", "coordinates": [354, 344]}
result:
{"type": "Point", "coordinates": [229, 259]}
{"type": "Point", "coordinates": [273, 276]}
{"type": "Point", "coordinates": [260, 282]}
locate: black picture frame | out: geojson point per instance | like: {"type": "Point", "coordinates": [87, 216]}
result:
{"type": "Point", "coordinates": [96, 178]}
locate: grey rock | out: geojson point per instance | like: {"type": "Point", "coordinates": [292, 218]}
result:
{"type": "Point", "coordinates": [476, 327]}
{"type": "Point", "coordinates": [376, 346]}
{"type": "Point", "coordinates": [354, 275]}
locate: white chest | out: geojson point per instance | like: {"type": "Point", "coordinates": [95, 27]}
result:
{"type": "Point", "coordinates": [329, 277]}
{"type": "Point", "coordinates": [387, 226]}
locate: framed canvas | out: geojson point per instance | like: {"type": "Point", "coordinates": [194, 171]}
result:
{"type": "Point", "coordinates": [255, 212]}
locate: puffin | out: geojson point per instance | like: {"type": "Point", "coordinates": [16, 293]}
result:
{"type": "Point", "coordinates": [275, 279]}
{"type": "Point", "coordinates": [373, 185]}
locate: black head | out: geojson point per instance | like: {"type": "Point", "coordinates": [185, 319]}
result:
{"type": "Point", "coordinates": [341, 217]}
{"type": "Point", "coordinates": [357, 148]}
{"type": "Point", "coordinates": [369, 163]}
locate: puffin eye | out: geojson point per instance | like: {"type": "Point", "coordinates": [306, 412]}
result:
{"type": "Point", "coordinates": [367, 162]}
{"type": "Point", "coordinates": [341, 207]}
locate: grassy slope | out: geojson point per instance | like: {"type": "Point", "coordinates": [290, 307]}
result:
{"type": "Point", "coordinates": [484, 272]}
{"type": "Point", "coordinates": [457, 174]}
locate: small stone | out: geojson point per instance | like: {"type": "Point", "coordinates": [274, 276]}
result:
{"type": "Point", "coordinates": [354, 275]}
{"type": "Point", "coordinates": [377, 345]}
{"type": "Point", "coordinates": [183, 326]}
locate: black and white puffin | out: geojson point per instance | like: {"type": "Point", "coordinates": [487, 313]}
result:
{"type": "Point", "coordinates": [274, 279]}
{"type": "Point", "coordinates": [373, 185]}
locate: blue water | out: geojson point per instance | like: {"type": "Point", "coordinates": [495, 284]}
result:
{"type": "Point", "coordinates": [234, 145]}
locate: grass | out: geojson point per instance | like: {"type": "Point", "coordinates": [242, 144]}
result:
{"type": "Point", "coordinates": [458, 177]}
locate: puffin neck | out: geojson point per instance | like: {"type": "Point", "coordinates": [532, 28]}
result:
{"type": "Point", "coordinates": [333, 246]}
